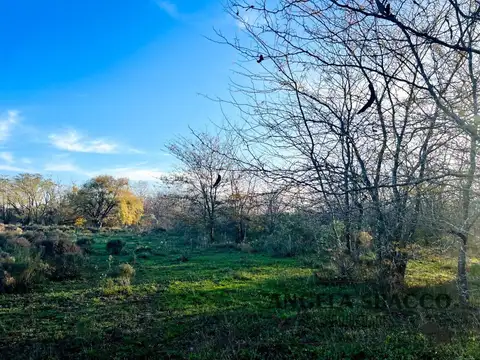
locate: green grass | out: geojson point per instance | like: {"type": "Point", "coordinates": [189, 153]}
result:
{"type": "Point", "coordinates": [220, 304]}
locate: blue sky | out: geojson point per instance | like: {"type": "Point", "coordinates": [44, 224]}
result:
{"type": "Point", "coordinates": [90, 87]}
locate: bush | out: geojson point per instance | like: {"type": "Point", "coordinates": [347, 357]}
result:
{"type": "Point", "coordinates": [123, 274]}
{"type": "Point", "coordinates": [13, 229]}
{"type": "Point", "coordinates": [23, 275]}
{"type": "Point", "coordinates": [4, 237]}
{"type": "Point", "coordinates": [51, 248]}
{"type": "Point", "coordinates": [368, 258]}
{"type": "Point", "coordinates": [85, 244]}
{"type": "Point", "coordinates": [35, 237]}
{"type": "Point", "coordinates": [345, 265]}
{"type": "Point", "coordinates": [112, 287]}
{"type": "Point", "coordinates": [126, 270]}
{"type": "Point", "coordinates": [115, 247]}
{"type": "Point", "coordinates": [20, 242]}
{"type": "Point", "coordinates": [66, 266]}
{"type": "Point", "coordinates": [57, 235]}
{"type": "Point", "coordinates": [247, 248]}
{"type": "Point", "coordinates": [2, 227]}
{"type": "Point", "coordinates": [365, 239]}
{"type": "Point", "coordinates": [6, 258]}
{"type": "Point", "coordinates": [7, 282]}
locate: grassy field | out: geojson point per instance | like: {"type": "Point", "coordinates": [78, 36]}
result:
{"type": "Point", "coordinates": [221, 303]}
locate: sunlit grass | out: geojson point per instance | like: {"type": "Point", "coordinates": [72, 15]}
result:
{"type": "Point", "coordinates": [218, 304]}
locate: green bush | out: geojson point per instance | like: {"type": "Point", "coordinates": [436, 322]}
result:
{"type": "Point", "coordinates": [86, 243]}
{"type": "Point", "coordinates": [4, 237]}
{"type": "Point", "coordinates": [50, 247]}
{"type": "Point", "coordinates": [115, 247]}
{"type": "Point", "coordinates": [22, 274]}
{"type": "Point", "coordinates": [66, 266]}
{"type": "Point", "coordinates": [112, 288]}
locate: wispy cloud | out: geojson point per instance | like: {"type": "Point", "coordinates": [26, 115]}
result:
{"type": "Point", "coordinates": [170, 8]}
{"type": "Point", "coordinates": [137, 172]}
{"type": "Point", "coordinates": [135, 151]}
{"type": "Point", "coordinates": [75, 142]}
{"type": "Point", "coordinates": [7, 121]}
{"type": "Point", "coordinates": [62, 167]}
{"type": "Point", "coordinates": [134, 174]}
{"type": "Point", "coordinates": [7, 167]}
{"type": "Point", "coordinates": [7, 157]}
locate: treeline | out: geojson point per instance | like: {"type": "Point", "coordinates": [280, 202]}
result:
{"type": "Point", "coordinates": [34, 199]}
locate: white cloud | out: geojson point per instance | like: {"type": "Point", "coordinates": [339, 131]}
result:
{"type": "Point", "coordinates": [6, 123]}
{"type": "Point", "coordinates": [169, 7]}
{"type": "Point", "coordinates": [75, 142]}
{"type": "Point", "coordinates": [7, 157]}
{"type": "Point", "coordinates": [62, 167]}
{"type": "Point", "coordinates": [135, 151]}
{"type": "Point", "coordinates": [134, 174]}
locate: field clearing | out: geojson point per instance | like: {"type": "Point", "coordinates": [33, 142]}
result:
{"type": "Point", "coordinates": [221, 303]}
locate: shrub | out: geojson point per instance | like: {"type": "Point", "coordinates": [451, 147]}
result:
{"type": "Point", "coordinates": [2, 227]}
{"type": "Point", "coordinates": [85, 244]}
{"type": "Point", "coordinates": [345, 265]}
{"type": "Point", "coordinates": [57, 243]}
{"type": "Point", "coordinates": [365, 239]}
{"type": "Point", "coordinates": [4, 237]}
{"type": "Point", "coordinates": [66, 266]}
{"type": "Point", "coordinates": [247, 248]}
{"type": "Point", "coordinates": [7, 282]}
{"type": "Point", "coordinates": [34, 236]}
{"type": "Point", "coordinates": [6, 258]}
{"type": "Point", "coordinates": [126, 270]}
{"type": "Point", "coordinates": [115, 247]}
{"type": "Point", "coordinates": [57, 235]}
{"type": "Point", "coordinates": [474, 271]}
{"type": "Point", "coordinates": [13, 229]}
{"type": "Point", "coordinates": [20, 242]}
{"type": "Point", "coordinates": [123, 274]}
{"type": "Point", "coordinates": [368, 258]}
{"type": "Point", "coordinates": [112, 287]}
{"type": "Point", "coordinates": [23, 275]}
{"type": "Point", "coordinates": [64, 246]}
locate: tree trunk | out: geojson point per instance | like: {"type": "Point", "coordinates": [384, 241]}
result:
{"type": "Point", "coordinates": [462, 271]}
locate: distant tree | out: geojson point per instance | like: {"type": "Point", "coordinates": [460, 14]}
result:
{"type": "Point", "coordinates": [98, 198]}
{"type": "Point", "coordinates": [32, 198]}
{"type": "Point", "coordinates": [202, 174]}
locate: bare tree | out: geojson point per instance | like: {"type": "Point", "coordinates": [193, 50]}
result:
{"type": "Point", "coordinates": [340, 103]}
{"type": "Point", "coordinates": [202, 175]}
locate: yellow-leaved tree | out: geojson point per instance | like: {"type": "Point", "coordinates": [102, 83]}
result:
{"type": "Point", "coordinates": [130, 208]}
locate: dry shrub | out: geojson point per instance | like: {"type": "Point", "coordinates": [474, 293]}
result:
{"type": "Point", "coordinates": [345, 265]}
{"type": "Point", "coordinates": [126, 270]}
{"type": "Point", "coordinates": [123, 274]}
{"type": "Point", "coordinates": [2, 227]}
{"type": "Point", "coordinates": [365, 239]}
